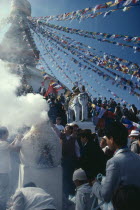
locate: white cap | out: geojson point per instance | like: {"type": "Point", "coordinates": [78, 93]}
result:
{"type": "Point", "coordinates": [134, 133]}
{"type": "Point", "coordinates": [79, 174]}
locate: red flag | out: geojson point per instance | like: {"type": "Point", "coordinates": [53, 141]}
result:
{"type": "Point", "coordinates": [50, 90]}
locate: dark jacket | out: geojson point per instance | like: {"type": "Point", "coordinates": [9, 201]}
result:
{"type": "Point", "coordinates": [93, 160]}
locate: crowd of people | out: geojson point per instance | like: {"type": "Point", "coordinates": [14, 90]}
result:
{"type": "Point", "coordinates": [101, 169]}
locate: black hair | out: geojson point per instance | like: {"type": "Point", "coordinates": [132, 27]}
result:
{"type": "Point", "coordinates": [70, 127]}
{"type": "Point", "coordinates": [30, 184]}
{"type": "Point", "coordinates": [119, 133]}
{"type": "Point", "coordinates": [126, 198]}
{"type": "Point", "coordinates": [86, 133]}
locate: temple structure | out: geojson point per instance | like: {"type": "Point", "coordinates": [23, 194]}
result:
{"type": "Point", "coordinates": [18, 48]}
{"type": "Point", "coordinates": [18, 45]}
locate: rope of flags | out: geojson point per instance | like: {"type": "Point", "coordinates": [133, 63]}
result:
{"type": "Point", "coordinates": [83, 14]}
{"type": "Point", "coordinates": [91, 35]}
{"type": "Point", "coordinates": [118, 78]}
{"type": "Point", "coordinates": [106, 61]}
{"type": "Point", "coordinates": [99, 72]}
{"type": "Point", "coordinates": [127, 67]}
{"type": "Point", "coordinates": [84, 82]}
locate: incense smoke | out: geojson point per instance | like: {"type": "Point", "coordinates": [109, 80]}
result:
{"type": "Point", "coordinates": [16, 112]}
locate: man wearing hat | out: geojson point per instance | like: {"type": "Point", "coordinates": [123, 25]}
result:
{"type": "Point", "coordinates": [135, 141]}
{"type": "Point", "coordinates": [83, 199]}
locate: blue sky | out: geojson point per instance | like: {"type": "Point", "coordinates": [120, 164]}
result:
{"type": "Point", "coordinates": [119, 22]}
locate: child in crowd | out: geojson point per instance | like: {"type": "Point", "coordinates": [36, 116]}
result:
{"type": "Point", "coordinates": [83, 198]}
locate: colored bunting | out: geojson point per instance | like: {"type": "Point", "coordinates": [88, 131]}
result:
{"type": "Point", "coordinates": [83, 14]}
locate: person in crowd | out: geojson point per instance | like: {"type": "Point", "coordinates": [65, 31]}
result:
{"type": "Point", "coordinates": [103, 143]}
{"type": "Point", "coordinates": [90, 110]}
{"type": "Point", "coordinates": [135, 144]}
{"type": "Point", "coordinates": [69, 159]}
{"type": "Point", "coordinates": [62, 98]}
{"type": "Point", "coordinates": [59, 107]}
{"type": "Point", "coordinates": [94, 101]}
{"type": "Point", "coordinates": [112, 105]}
{"type": "Point", "coordinates": [42, 90]}
{"type": "Point", "coordinates": [118, 113]}
{"type": "Point", "coordinates": [93, 160]}
{"type": "Point", "coordinates": [83, 100]}
{"type": "Point", "coordinates": [125, 111]}
{"type": "Point", "coordinates": [108, 152]}
{"type": "Point", "coordinates": [122, 169]}
{"type": "Point", "coordinates": [99, 102]}
{"type": "Point", "coordinates": [58, 124]}
{"type": "Point", "coordinates": [133, 136]}
{"type": "Point", "coordinates": [95, 113]}
{"type": "Point", "coordinates": [101, 121]}
{"type": "Point", "coordinates": [83, 199]}
{"type": "Point", "coordinates": [5, 167]}
{"type": "Point", "coordinates": [74, 135]}
{"type": "Point", "coordinates": [31, 197]}
{"type": "Point", "coordinates": [108, 117]}
{"type": "Point", "coordinates": [133, 113]}
{"type": "Point", "coordinates": [105, 101]}
{"type": "Point", "coordinates": [126, 198]}
{"type": "Point", "coordinates": [53, 110]}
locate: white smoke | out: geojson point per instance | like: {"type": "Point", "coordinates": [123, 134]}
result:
{"type": "Point", "coordinates": [16, 112]}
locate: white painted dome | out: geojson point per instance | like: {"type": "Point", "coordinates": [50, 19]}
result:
{"type": "Point", "coordinates": [20, 7]}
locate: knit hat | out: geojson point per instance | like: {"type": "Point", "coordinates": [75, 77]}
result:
{"type": "Point", "coordinates": [79, 174]}
{"type": "Point", "coordinates": [134, 133]}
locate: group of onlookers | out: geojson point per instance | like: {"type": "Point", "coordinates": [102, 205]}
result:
{"type": "Point", "coordinates": [84, 156]}
{"type": "Point", "coordinates": [98, 168]}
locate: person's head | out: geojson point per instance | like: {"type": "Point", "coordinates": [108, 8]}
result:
{"type": "Point", "coordinates": [117, 109]}
{"type": "Point", "coordinates": [103, 143]}
{"type": "Point", "coordinates": [68, 130]}
{"type": "Point", "coordinates": [126, 198]}
{"type": "Point", "coordinates": [124, 106]}
{"type": "Point", "coordinates": [83, 88]}
{"type": "Point", "coordinates": [76, 91]}
{"type": "Point", "coordinates": [133, 106]}
{"type": "Point", "coordinates": [103, 106]}
{"type": "Point", "coordinates": [30, 184]}
{"type": "Point", "coordinates": [4, 133]}
{"type": "Point", "coordinates": [85, 135]}
{"type": "Point", "coordinates": [134, 135]}
{"type": "Point", "coordinates": [75, 129]}
{"type": "Point", "coordinates": [58, 120]}
{"type": "Point", "coordinates": [116, 135]}
{"type": "Point", "coordinates": [79, 177]}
